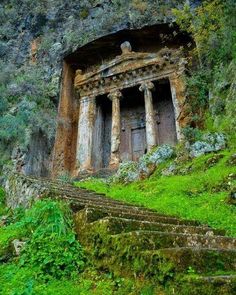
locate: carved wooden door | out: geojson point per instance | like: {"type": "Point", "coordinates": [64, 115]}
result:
{"type": "Point", "coordinates": [166, 122]}
{"type": "Point", "coordinates": [138, 140]}
{"type": "Point", "coordinates": [133, 136]}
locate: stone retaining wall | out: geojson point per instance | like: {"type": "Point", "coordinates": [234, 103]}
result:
{"type": "Point", "coordinates": [22, 190]}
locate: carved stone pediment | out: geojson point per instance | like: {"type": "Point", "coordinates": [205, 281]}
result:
{"type": "Point", "coordinates": [120, 64]}
{"type": "Point", "coordinates": [126, 70]}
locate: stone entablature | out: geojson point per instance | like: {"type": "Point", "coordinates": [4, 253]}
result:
{"type": "Point", "coordinates": [128, 70]}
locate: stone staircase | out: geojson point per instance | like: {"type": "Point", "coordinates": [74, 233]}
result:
{"type": "Point", "coordinates": [134, 241]}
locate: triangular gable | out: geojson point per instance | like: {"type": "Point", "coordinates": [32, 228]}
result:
{"type": "Point", "coordinates": [117, 66]}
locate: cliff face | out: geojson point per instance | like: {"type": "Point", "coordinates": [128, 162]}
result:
{"type": "Point", "coordinates": [34, 39]}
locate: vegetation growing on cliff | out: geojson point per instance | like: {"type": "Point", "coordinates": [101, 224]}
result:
{"type": "Point", "coordinates": [211, 85]}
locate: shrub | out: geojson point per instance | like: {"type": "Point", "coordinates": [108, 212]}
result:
{"type": "Point", "coordinates": [191, 134]}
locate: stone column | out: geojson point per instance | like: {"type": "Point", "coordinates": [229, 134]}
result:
{"type": "Point", "coordinates": [151, 129]}
{"type": "Point", "coordinates": [178, 98]}
{"type": "Point", "coordinates": [85, 133]}
{"type": "Point", "coordinates": [115, 128]}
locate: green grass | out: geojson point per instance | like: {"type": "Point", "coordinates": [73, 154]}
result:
{"type": "Point", "coordinates": [200, 194]}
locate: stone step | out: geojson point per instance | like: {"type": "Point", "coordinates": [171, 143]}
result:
{"type": "Point", "coordinates": [93, 200]}
{"type": "Point", "coordinates": [76, 196]}
{"type": "Point", "coordinates": [150, 263]}
{"type": "Point", "coordinates": [153, 240]}
{"type": "Point", "coordinates": [187, 259]}
{"type": "Point", "coordinates": [107, 211]}
{"type": "Point", "coordinates": [75, 192]}
{"type": "Point", "coordinates": [116, 225]}
{"type": "Point", "coordinates": [62, 186]}
{"type": "Point", "coordinates": [99, 200]}
{"type": "Point", "coordinates": [92, 196]}
{"type": "Point", "coordinates": [110, 207]}
{"type": "Point", "coordinates": [77, 203]}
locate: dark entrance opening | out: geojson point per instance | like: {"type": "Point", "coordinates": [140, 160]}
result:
{"type": "Point", "coordinates": [102, 133]}
{"type": "Point", "coordinates": [133, 131]}
{"type": "Point", "coordinates": [164, 113]}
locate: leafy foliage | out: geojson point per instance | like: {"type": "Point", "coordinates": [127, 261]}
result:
{"type": "Point", "coordinates": [2, 196]}
{"type": "Point", "coordinates": [26, 106]}
{"type": "Point", "coordinates": [212, 26]}
{"type": "Point", "coordinates": [2, 202]}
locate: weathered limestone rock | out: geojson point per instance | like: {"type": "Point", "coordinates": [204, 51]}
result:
{"type": "Point", "coordinates": [34, 47]}
{"type": "Point", "coordinates": [126, 47]}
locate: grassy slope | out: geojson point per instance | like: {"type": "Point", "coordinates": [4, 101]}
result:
{"type": "Point", "coordinates": [196, 195]}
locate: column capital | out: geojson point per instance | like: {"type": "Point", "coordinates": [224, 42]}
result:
{"type": "Point", "coordinates": [146, 86]}
{"type": "Point", "coordinates": [116, 94]}
{"type": "Point", "coordinates": [85, 99]}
